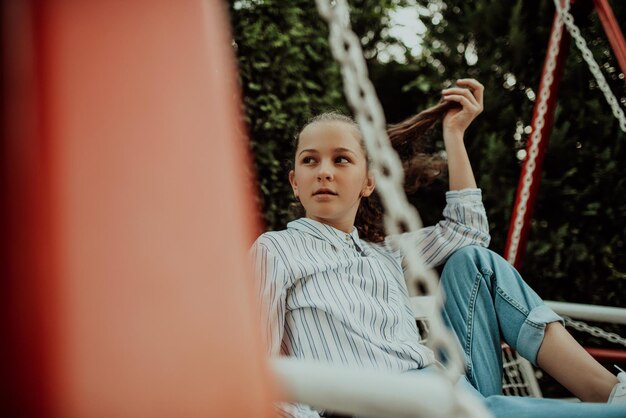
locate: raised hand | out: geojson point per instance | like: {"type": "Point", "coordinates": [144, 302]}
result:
{"type": "Point", "coordinates": [469, 94]}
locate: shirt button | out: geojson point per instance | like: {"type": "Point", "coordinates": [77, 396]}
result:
{"type": "Point", "coordinates": [347, 237]}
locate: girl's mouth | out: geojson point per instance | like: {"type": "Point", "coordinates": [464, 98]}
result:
{"type": "Point", "coordinates": [324, 192]}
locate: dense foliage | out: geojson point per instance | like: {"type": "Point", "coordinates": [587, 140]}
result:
{"type": "Point", "coordinates": [576, 250]}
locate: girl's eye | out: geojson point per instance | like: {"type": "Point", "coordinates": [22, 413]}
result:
{"type": "Point", "coordinates": [342, 160]}
{"type": "Point", "coordinates": [308, 160]}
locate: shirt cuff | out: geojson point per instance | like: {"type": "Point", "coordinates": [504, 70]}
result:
{"type": "Point", "coordinates": [464, 196]}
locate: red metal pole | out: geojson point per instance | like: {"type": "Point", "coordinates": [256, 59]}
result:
{"type": "Point", "coordinates": [608, 355]}
{"type": "Point", "coordinates": [516, 244]}
{"type": "Point", "coordinates": [612, 30]}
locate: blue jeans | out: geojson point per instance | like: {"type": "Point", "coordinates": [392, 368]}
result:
{"type": "Point", "coordinates": [487, 301]}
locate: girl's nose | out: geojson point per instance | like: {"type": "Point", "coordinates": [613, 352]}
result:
{"type": "Point", "coordinates": [325, 172]}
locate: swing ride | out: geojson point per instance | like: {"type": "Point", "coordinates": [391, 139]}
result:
{"type": "Point", "coordinates": [104, 315]}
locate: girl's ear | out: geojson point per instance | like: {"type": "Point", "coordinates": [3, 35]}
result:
{"type": "Point", "coordinates": [370, 184]}
{"type": "Point", "coordinates": [292, 181]}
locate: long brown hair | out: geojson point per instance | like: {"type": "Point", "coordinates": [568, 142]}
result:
{"type": "Point", "coordinates": [420, 167]}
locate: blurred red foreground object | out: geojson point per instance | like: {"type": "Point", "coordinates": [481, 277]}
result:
{"type": "Point", "coordinates": [126, 218]}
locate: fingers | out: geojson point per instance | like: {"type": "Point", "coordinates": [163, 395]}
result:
{"type": "Point", "coordinates": [469, 89]}
{"type": "Point", "coordinates": [464, 101]}
{"type": "Point", "coordinates": [465, 98]}
{"type": "Point", "coordinates": [461, 92]}
{"type": "Point", "coordinates": [477, 88]}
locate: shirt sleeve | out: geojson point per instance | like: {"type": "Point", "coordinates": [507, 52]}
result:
{"type": "Point", "coordinates": [464, 223]}
{"type": "Point", "coordinates": [271, 284]}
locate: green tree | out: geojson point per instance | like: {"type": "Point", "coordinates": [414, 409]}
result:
{"type": "Point", "coordinates": [286, 75]}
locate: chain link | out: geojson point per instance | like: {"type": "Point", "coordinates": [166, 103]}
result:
{"type": "Point", "coordinates": [400, 216]}
{"type": "Point", "coordinates": [566, 17]}
{"type": "Point", "coordinates": [595, 331]}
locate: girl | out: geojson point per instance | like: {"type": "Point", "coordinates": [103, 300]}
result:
{"type": "Point", "coordinates": [334, 290]}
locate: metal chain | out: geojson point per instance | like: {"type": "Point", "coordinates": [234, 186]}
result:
{"type": "Point", "coordinates": [567, 18]}
{"type": "Point", "coordinates": [400, 216]}
{"type": "Point", "coordinates": [595, 331]}
{"type": "Point", "coordinates": [535, 139]}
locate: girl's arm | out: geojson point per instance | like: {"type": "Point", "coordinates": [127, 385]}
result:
{"type": "Point", "coordinates": [469, 94]}
{"type": "Point", "coordinates": [271, 283]}
{"type": "Point", "coordinates": [465, 220]}
{"type": "Point", "coordinates": [464, 223]}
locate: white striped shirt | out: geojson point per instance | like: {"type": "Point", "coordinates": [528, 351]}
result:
{"type": "Point", "coordinates": [330, 296]}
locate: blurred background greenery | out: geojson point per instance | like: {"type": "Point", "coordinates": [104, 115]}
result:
{"type": "Point", "coordinates": [576, 250]}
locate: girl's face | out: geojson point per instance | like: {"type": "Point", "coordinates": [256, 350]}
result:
{"type": "Point", "coordinates": [330, 174]}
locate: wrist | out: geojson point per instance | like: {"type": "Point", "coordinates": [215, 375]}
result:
{"type": "Point", "coordinates": [453, 135]}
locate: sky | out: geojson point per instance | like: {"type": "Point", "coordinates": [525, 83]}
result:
{"type": "Point", "coordinates": [408, 26]}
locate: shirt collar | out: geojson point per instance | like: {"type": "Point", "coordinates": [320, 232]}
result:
{"type": "Point", "coordinates": [326, 232]}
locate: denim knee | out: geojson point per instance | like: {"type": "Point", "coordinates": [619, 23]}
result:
{"type": "Point", "coordinates": [469, 251]}
{"type": "Point", "coordinates": [474, 254]}
{"type": "Point", "coordinates": [533, 331]}
{"type": "Point", "coordinates": [525, 329]}
{"type": "Point", "coordinates": [463, 261]}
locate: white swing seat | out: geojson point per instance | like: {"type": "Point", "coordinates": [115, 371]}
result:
{"type": "Point", "coordinates": [374, 393]}
{"type": "Point", "coordinates": [370, 393]}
